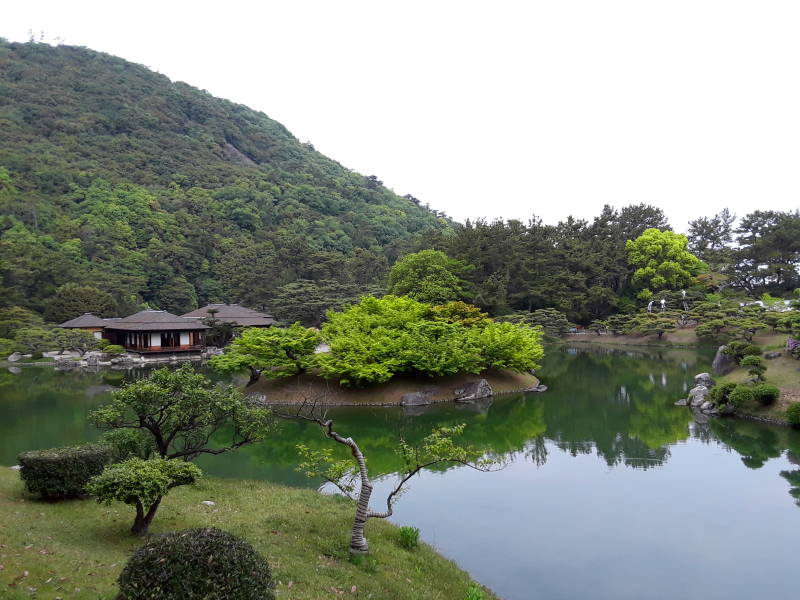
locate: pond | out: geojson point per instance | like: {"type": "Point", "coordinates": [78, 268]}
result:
{"type": "Point", "coordinates": [609, 491]}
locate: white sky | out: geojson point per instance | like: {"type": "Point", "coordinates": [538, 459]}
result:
{"type": "Point", "coordinates": [495, 109]}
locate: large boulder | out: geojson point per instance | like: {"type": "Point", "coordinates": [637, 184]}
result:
{"type": "Point", "coordinates": [475, 390]}
{"type": "Point", "coordinates": [723, 363]}
{"type": "Point", "coordinates": [771, 355]}
{"type": "Point", "coordinates": [704, 379]}
{"type": "Point", "coordinates": [698, 395]}
{"type": "Point", "coordinates": [416, 398]}
{"type": "Point", "coordinates": [15, 357]}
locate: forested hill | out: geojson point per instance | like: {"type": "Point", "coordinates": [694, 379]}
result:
{"type": "Point", "coordinates": [114, 177]}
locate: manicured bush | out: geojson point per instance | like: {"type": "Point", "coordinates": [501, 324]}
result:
{"type": "Point", "coordinates": [793, 414]}
{"type": "Point", "coordinates": [113, 349]}
{"type": "Point", "coordinates": [741, 395]}
{"type": "Point", "coordinates": [755, 367]}
{"type": "Point", "coordinates": [739, 349]}
{"type": "Point", "coordinates": [203, 563]}
{"type": "Point", "coordinates": [142, 484]}
{"type": "Point", "coordinates": [719, 394]}
{"type": "Point", "coordinates": [409, 537]}
{"type": "Point", "coordinates": [766, 393]}
{"type": "Point", "coordinates": [59, 473]}
{"type": "Point", "coordinates": [129, 443]}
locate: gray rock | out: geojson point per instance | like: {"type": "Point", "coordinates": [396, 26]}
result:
{"type": "Point", "coordinates": [416, 399]}
{"type": "Point", "coordinates": [682, 402]}
{"type": "Point", "coordinates": [771, 355]}
{"type": "Point", "coordinates": [478, 406]}
{"type": "Point", "coordinates": [208, 503]}
{"type": "Point", "coordinates": [16, 468]}
{"type": "Point", "coordinates": [474, 390]}
{"type": "Point", "coordinates": [66, 363]}
{"type": "Point", "coordinates": [697, 395]}
{"type": "Point", "coordinates": [706, 406]}
{"type": "Point", "coordinates": [537, 388]}
{"type": "Point", "coordinates": [727, 409]}
{"type": "Point", "coordinates": [704, 379]}
{"type": "Point", "coordinates": [14, 357]}
{"type": "Point", "coordinates": [92, 361]}
{"type": "Point", "coordinates": [723, 363]}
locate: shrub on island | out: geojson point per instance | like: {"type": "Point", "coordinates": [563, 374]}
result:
{"type": "Point", "coordinates": [194, 564]}
{"type": "Point", "coordinates": [376, 339]}
{"type": "Point", "coordinates": [58, 473]}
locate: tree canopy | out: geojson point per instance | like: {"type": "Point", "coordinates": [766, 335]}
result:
{"type": "Point", "coordinates": [662, 261]}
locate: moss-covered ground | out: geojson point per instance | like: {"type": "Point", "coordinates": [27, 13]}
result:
{"type": "Point", "coordinates": [76, 548]}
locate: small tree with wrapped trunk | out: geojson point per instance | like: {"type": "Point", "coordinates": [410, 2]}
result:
{"type": "Point", "coordinates": [352, 477]}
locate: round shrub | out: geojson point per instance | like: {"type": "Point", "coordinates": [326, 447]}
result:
{"type": "Point", "coordinates": [196, 563]}
{"type": "Point", "coordinates": [741, 395]}
{"type": "Point", "coordinates": [766, 393]}
{"type": "Point", "coordinates": [113, 349]}
{"type": "Point", "coordinates": [62, 472]}
{"type": "Point", "coordinates": [719, 394]}
{"type": "Point", "coordinates": [793, 414]}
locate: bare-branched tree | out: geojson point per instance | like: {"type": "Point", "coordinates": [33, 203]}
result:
{"type": "Point", "coordinates": [352, 477]}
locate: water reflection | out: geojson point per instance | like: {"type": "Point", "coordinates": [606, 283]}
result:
{"type": "Point", "coordinates": [615, 405]}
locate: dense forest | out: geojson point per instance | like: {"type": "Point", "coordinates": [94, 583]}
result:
{"type": "Point", "coordinates": [157, 193]}
{"type": "Point", "coordinates": [120, 189]}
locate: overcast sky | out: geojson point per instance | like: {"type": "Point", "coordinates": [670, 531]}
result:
{"type": "Point", "coordinates": [495, 109]}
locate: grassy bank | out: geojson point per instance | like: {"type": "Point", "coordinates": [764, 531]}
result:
{"type": "Point", "coordinates": [76, 549]}
{"type": "Point", "coordinates": [294, 390]}
{"type": "Point", "coordinates": [783, 372]}
{"type": "Point", "coordinates": [681, 338]}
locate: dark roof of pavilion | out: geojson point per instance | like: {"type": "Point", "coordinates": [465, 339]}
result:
{"type": "Point", "coordinates": [87, 320]}
{"type": "Point", "coordinates": [233, 313]}
{"type": "Point", "coordinates": [155, 320]}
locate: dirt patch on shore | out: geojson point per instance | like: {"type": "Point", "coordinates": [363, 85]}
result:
{"type": "Point", "coordinates": [295, 390]}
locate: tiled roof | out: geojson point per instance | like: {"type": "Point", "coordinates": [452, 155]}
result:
{"type": "Point", "coordinates": [155, 320]}
{"type": "Point", "coordinates": [233, 313]}
{"type": "Point", "coordinates": [85, 320]}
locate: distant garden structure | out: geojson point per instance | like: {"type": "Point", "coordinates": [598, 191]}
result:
{"type": "Point", "coordinates": [153, 331]}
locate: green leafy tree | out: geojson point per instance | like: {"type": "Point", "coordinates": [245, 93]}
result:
{"type": "Point", "coordinates": [553, 322]}
{"type": "Point", "coordinates": [273, 352]}
{"type": "Point", "coordinates": [756, 367]}
{"type": "Point", "coordinates": [428, 276]}
{"type": "Point", "coordinates": [34, 340]}
{"type": "Point", "coordinates": [182, 410]}
{"type": "Point", "coordinates": [654, 323]}
{"type": "Point", "coordinates": [662, 261]}
{"type": "Point", "coordinates": [378, 338]}
{"type": "Point", "coordinates": [72, 300]}
{"type": "Point", "coordinates": [16, 317]}
{"type": "Point", "coordinates": [77, 340]}
{"type": "Point", "coordinates": [142, 484]}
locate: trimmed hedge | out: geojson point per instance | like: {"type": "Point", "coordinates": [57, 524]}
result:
{"type": "Point", "coordinates": [198, 563]}
{"type": "Point", "coordinates": [741, 395]}
{"type": "Point", "coordinates": [793, 414]}
{"type": "Point", "coordinates": [59, 473]}
{"type": "Point", "coordinates": [719, 394]}
{"type": "Point", "coordinates": [766, 393]}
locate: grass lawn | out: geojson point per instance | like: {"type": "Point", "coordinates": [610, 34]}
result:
{"type": "Point", "coordinates": [783, 372]}
{"type": "Point", "coordinates": [76, 548]}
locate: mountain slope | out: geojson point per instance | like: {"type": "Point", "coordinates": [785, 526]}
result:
{"type": "Point", "coordinates": [115, 177]}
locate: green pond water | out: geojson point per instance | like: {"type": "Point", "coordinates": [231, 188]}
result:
{"type": "Point", "coordinates": [609, 490]}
